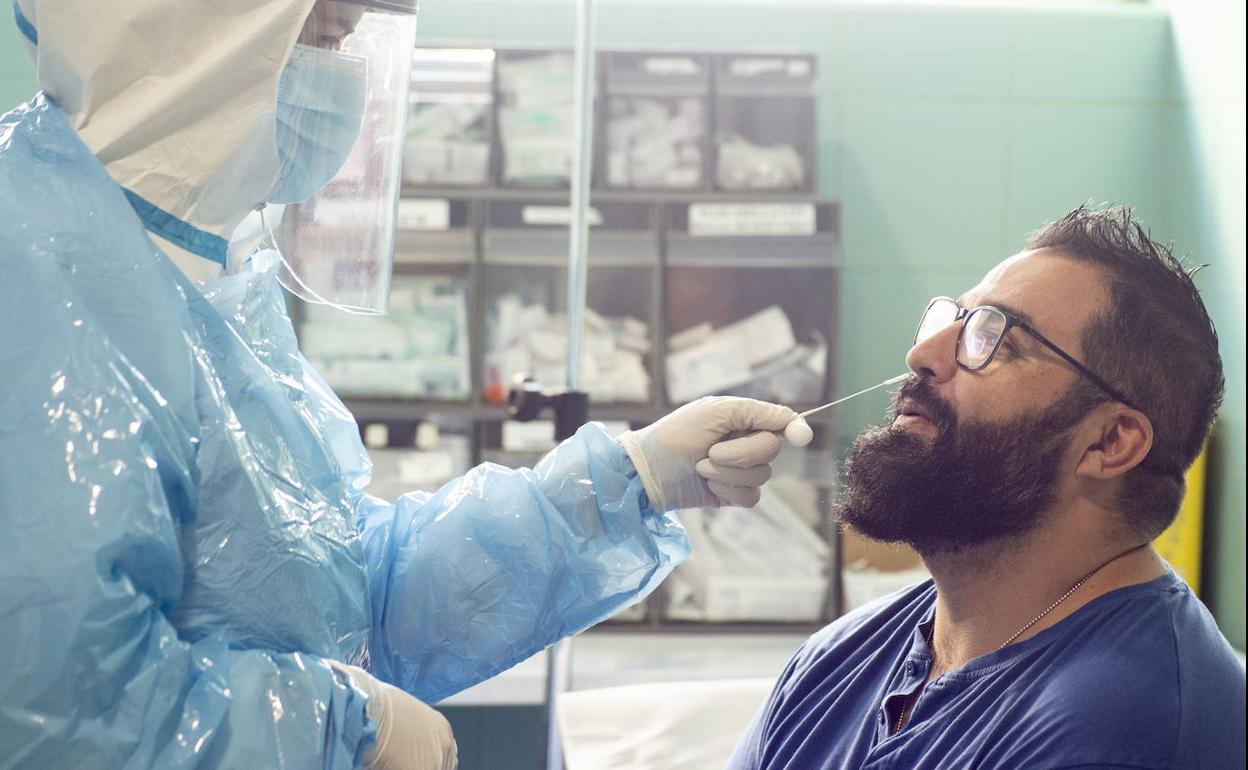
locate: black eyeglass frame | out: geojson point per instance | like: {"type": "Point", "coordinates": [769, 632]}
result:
{"type": "Point", "coordinates": [1012, 321]}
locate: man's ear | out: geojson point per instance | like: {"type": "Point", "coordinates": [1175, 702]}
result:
{"type": "Point", "coordinates": [1126, 436]}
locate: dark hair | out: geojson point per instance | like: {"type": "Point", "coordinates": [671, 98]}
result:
{"type": "Point", "coordinates": [1154, 342]}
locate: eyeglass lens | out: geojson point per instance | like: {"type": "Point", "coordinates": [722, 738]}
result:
{"type": "Point", "coordinates": [940, 313]}
{"type": "Point", "coordinates": [980, 337]}
{"type": "Point", "coordinates": [980, 334]}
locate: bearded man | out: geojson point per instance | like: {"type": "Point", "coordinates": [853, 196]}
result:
{"type": "Point", "coordinates": [1035, 452]}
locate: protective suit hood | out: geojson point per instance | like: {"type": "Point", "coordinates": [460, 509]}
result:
{"type": "Point", "coordinates": [177, 100]}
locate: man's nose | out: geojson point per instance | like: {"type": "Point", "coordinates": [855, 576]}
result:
{"type": "Point", "coordinates": [936, 358]}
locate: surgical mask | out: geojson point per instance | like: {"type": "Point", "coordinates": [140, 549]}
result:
{"type": "Point", "coordinates": [320, 107]}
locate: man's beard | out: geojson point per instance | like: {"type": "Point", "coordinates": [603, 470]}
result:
{"type": "Point", "coordinates": [974, 484]}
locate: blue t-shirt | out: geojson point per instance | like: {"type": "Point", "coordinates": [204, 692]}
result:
{"type": "Point", "coordinates": [1137, 678]}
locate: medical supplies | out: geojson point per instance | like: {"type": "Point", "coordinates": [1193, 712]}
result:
{"type": "Point", "coordinates": [450, 120]}
{"type": "Point", "coordinates": [757, 357]}
{"type": "Point", "coordinates": [529, 339]}
{"type": "Point", "coordinates": [419, 349]}
{"type": "Point", "coordinates": [656, 119]}
{"type": "Point", "coordinates": [765, 122]}
{"type": "Point", "coordinates": [535, 117]}
{"type": "Point", "coordinates": [759, 564]}
{"type": "Point", "coordinates": [744, 165]}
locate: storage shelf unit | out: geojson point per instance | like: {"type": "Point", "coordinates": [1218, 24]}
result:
{"type": "Point", "coordinates": [475, 251]}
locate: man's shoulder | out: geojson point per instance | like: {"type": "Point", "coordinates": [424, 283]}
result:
{"type": "Point", "coordinates": [1156, 637]}
{"type": "Point", "coordinates": [1146, 676]}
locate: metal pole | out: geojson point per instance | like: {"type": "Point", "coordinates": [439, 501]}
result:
{"type": "Point", "coordinates": [559, 658]}
{"type": "Point", "coordinates": [582, 147]}
{"type": "Point", "coordinates": [558, 673]}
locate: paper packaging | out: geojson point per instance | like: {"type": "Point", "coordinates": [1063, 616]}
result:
{"type": "Point", "coordinates": [749, 565]}
{"type": "Point", "coordinates": [419, 349]}
{"type": "Point", "coordinates": [535, 118]}
{"type": "Point", "coordinates": [744, 165]}
{"type": "Point", "coordinates": [712, 365]}
{"type": "Point", "coordinates": [447, 142]}
{"type": "Point", "coordinates": [654, 142]}
{"type": "Point", "coordinates": [703, 362]}
{"type": "Point", "coordinates": [528, 339]}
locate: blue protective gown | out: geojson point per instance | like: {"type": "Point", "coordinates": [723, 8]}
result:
{"type": "Point", "coordinates": [186, 536]}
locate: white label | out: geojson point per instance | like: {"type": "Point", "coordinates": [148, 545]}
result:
{"type": "Point", "coordinates": [758, 66]}
{"type": "Point", "coordinates": [424, 214]}
{"type": "Point", "coordinates": [751, 219]}
{"type": "Point", "coordinates": [534, 436]}
{"type": "Point", "coordinates": [799, 67]}
{"type": "Point", "coordinates": [557, 215]}
{"type": "Point", "coordinates": [670, 65]}
{"type": "Point", "coordinates": [376, 435]}
{"type": "Point", "coordinates": [763, 66]}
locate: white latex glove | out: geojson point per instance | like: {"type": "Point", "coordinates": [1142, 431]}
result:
{"type": "Point", "coordinates": [410, 734]}
{"type": "Point", "coordinates": [714, 451]}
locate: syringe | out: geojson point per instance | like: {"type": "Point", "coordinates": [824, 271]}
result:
{"type": "Point", "coordinates": [798, 432]}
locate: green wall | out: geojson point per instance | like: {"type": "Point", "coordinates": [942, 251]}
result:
{"type": "Point", "coordinates": [17, 77]}
{"type": "Point", "coordinates": [948, 133]}
{"type": "Point", "coordinates": [1208, 205]}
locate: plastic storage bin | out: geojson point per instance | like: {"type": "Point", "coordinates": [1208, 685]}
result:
{"type": "Point", "coordinates": [765, 122]}
{"type": "Point", "coordinates": [525, 247]}
{"type": "Point", "coordinates": [420, 347]}
{"type": "Point", "coordinates": [450, 120]}
{"type": "Point", "coordinates": [751, 298]}
{"type": "Point", "coordinates": [655, 132]}
{"type": "Point", "coordinates": [535, 118]}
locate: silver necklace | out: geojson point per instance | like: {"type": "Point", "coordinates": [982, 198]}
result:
{"type": "Point", "coordinates": [931, 634]}
{"type": "Point", "coordinates": [1064, 597]}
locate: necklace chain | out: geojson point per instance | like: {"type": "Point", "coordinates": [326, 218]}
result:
{"type": "Point", "coordinates": [905, 706]}
{"type": "Point", "coordinates": [1050, 608]}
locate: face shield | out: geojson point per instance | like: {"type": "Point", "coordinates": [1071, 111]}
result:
{"type": "Point", "coordinates": [342, 101]}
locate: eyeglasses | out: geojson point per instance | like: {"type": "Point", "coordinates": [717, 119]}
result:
{"type": "Point", "coordinates": [982, 333]}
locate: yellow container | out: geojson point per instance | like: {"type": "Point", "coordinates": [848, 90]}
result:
{"type": "Point", "coordinates": [1180, 543]}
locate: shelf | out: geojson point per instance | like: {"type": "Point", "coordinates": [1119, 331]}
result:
{"type": "Point", "coordinates": [560, 261]}
{"type": "Point", "coordinates": [405, 259]}
{"type": "Point", "coordinates": [546, 195]}
{"type": "Point", "coordinates": [379, 409]}
{"type": "Point", "coordinates": [787, 263]}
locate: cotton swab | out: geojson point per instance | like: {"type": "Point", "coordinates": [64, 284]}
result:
{"type": "Point", "coordinates": [798, 432]}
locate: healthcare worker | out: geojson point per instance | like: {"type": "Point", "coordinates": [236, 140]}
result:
{"type": "Point", "coordinates": [191, 573]}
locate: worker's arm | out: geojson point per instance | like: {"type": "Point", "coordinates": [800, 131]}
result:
{"type": "Point", "coordinates": [501, 563]}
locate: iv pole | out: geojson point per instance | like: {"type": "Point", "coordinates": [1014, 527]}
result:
{"type": "Point", "coordinates": [559, 657]}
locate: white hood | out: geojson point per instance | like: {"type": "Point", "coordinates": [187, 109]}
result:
{"type": "Point", "coordinates": [177, 98]}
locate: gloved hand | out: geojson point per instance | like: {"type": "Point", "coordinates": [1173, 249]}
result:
{"type": "Point", "coordinates": [410, 734]}
{"type": "Point", "coordinates": [714, 451]}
